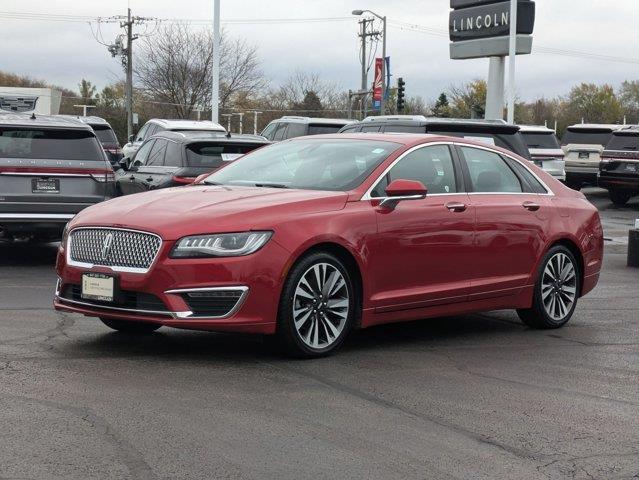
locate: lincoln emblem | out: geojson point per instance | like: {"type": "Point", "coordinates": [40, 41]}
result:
{"type": "Point", "coordinates": [106, 246]}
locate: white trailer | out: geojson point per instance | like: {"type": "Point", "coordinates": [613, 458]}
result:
{"type": "Point", "coordinates": [41, 101]}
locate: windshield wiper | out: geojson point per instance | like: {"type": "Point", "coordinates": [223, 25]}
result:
{"type": "Point", "coordinates": [271, 185]}
{"type": "Point", "coordinates": [211, 183]}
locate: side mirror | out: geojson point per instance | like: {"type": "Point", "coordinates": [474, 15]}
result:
{"type": "Point", "coordinates": [131, 138]}
{"type": "Point", "coordinates": [400, 190]}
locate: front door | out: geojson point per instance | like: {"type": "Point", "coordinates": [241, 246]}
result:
{"type": "Point", "coordinates": [423, 250]}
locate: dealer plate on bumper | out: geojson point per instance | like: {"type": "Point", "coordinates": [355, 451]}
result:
{"type": "Point", "coordinates": [98, 286]}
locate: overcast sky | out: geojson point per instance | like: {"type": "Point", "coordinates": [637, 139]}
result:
{"type": "Point", "coordinates": [62, 53]}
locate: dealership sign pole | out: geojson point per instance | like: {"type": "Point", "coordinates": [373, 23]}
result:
{"type": "Point", "coordinates": [512, 54]}
{"type": "Point", "coordinates": [483, 28]}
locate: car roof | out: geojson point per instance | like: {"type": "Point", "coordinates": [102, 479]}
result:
{"type": "Point", "coordinates": [629, 130]}
{"type": "Point", "coordinates": [89, 120]}
{"type": "Point", "coordinates": [169, 124]}
{"type": "Point", "coordinates": [499, 126]}
{"type": "Point", "coordinates": [535, 129]}
{"type": "Point", "coordinates": [319, 120]}
{"type": "Point", "coordinates": [192, 137]}
{"type": "Point", "coordinates": [595, 126]}
{"type": "Point", "coordinates": [42, 121]}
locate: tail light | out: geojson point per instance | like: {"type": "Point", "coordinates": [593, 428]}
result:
{"type": "Point", "coordinates": [104, 177]}
{"type": "Point", "coordinates": [183, 180]}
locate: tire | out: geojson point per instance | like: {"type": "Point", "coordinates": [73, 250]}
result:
{"type": "Point", "coordinates": [133, 327]}
{"type": "Point", "coordinates": [555, 297]}
{"type": "Point", "coordinates": [619, 198]}
{"type": "Point", "coordinates": [309, 324]}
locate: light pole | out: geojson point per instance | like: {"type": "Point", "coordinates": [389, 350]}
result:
{"type": "Point", "coordinates": [215, 87]}
{"type": "Point", "coordinates": [382, 109]}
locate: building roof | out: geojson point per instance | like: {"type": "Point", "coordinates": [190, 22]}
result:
{"type": "Point", "coordinates": [42, 121]}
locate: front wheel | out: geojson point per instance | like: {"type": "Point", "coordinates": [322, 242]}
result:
{"type": "Point", "coordinates": [127, 326]}
{"type": "Point", "coordinates": [317, 306]}
{"type": "Point", "coordinates": [556, 291]}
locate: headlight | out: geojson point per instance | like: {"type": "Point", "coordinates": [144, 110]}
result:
{"type": "Point", "coordinates": [220, 245]}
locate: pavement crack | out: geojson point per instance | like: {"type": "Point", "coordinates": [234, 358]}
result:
{"type": "Point", "coordinates": [128, 454]}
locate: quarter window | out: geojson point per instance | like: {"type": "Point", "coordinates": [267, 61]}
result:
{"type": "Point", "coordinates": [489, 173]}
{"type": "Point", "coordinates": [143, 153]}
{"type": "Point", "coordinates": [432, 165]}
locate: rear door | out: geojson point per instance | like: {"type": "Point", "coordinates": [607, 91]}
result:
{"type": "Point", "coordinates": [52, 171]}
{"type": "Point", "coordinates": [511, 223]}
{"type": "Point", "coordinates": [127, 179]}
{"type": "Point", "coordinates": [153, 174]}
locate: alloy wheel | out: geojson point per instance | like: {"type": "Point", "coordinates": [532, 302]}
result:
{"type": "Point", "coordinates": [321, 305]}
{"type": "Point", "coordinates": [559, 286]}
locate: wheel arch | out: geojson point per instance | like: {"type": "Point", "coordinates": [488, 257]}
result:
{"type": "Point", "coordinates": [577, 253]}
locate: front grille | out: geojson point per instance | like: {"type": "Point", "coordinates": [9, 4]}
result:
{"type": "Point", "coordinates": [114, 248]}
{"type": "Point", "coordinates": [128, 299]}
{"type": "Point", "coordinates": [212, 303]}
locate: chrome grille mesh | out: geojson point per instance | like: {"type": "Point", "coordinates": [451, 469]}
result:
{"type": "Point", "coordinates": [113, 247]}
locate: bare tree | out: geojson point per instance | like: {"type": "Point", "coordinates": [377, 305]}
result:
{"type": "Point", "coordinates": [175, 66]}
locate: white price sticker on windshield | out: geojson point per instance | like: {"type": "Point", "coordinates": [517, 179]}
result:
{"type": "Point", "coordinates": [229, 157]}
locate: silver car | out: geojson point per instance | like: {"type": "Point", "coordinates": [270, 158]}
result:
{"type": "Point", "coordinates": [50, 169]}
{"type": "Point", "coordinates": [544, 148]}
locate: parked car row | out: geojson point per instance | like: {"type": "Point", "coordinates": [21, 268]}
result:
{"type": "Point", "coordinates": [604, 156]}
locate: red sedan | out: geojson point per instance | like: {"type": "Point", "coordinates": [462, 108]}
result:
{"type": "Point", "coordinates": [312, 237]}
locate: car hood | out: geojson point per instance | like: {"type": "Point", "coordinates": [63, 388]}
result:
{"type": "Point", "coordinates": [175, 212]}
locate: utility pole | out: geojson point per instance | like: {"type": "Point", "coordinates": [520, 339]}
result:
{"type": "Point", "coordinates": [215, 87]}
{"type": "Point", "coordinates": [382, 110]}
{"type": "Point", "coordinates": [84, 108]}
{"type": "Point", "coordinates": [255, 114]}
{"type": "Point", "coordinates": [126, 53]}
{"type": "Point", "coordinates": [364, 34]}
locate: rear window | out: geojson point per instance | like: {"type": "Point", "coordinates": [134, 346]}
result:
{"type": "Point", "coordinates": [49, 144]}
{"type": "Point", "coordinates": [404, 129]}
{"type": "Point", "coordinates": [541, 140]}
{"type": "Point", "coordinates": [624, 141]}
{"type": "Point", "coordinates": [105, 134]}
{"type": "Point", "coordinates": [319, 129]}
{"type": "Point", "coordinates": [510, 141]}
{"type": "Point", "coordinates": [587, 136]}
{"type": "Point", "coordinates": [214, 155]}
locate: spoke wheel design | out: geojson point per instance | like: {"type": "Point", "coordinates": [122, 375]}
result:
{"type": "Point", "coordinates": [320, 305]}
{"type": "Point", "coordinates": [559, 286]}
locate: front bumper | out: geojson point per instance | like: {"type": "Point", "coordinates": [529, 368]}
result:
{"type": "Point", "coordinates": [161, 295]}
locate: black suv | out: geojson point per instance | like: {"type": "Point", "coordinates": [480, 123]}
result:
{"type": "Point", "coordinates": [493, 132]}
{"type": "Point", "coordinates": [170, 159]}
{"type": "Point", "coordinates": [50, 169]}
{"type": "Point", "coordinates": [105, 134]}
{"type": "Point", "coordinates": [291, 127]}
{"type": "Point", "coordinates": [619, 167]}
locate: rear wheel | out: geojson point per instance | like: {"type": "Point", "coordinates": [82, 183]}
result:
{"type": "Point", "coordinates": [556, 291]}
{"type": "Point", "coordinates": [317, 306]}
{"type": "Point", "coordinates": [619, 197]}
{"type": "Point", "coordinates": [128, 326]}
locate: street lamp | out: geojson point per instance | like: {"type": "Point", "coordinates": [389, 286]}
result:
{"type": "Point", "coordinates": [382, 109]}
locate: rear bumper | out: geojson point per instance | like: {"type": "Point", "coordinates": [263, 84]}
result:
{"type": "Point", "coordinates": [586, 177]}
{"type": "Point", "coordinates": [619, 182]}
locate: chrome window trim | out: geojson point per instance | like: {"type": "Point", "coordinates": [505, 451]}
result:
{"type": "Point", "coordinates": [549, 193]}
{"type": "Point", "coordinates": [113, 268]}
{"type": "Point", "coordinates": [188, 315]}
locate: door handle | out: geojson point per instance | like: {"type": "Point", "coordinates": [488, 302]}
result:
{"type": "Point", "coordinates": [456, 207]}
{"type": "Point", "coordinates": [132, 178]}
{"type": "Point", "coordinates": [532, 206]}
{"type": "Point", "coordinates": [149, 179]}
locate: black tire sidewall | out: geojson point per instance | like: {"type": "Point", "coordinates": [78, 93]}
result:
{"type": "Point", "coordinates": [286, 331]}
{"type": "Point", "coordinates": [539, 305]}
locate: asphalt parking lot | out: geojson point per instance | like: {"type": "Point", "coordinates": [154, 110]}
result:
{"type": "Point", "coordinates": [472, 397]}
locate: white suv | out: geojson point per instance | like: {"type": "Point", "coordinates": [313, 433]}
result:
{"type": "Point", "coordinates": [157, 125]}
{"type": "Point", "coordinates": [583, 145]}
{"type": "Point", "coordinates": [544, 148]}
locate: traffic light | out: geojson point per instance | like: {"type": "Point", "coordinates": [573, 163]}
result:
{"type": "Point", "coordinates": [401, 102]}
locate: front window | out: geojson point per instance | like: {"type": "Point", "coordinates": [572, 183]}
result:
{"type": "Point", "coordinates": [336, 164]}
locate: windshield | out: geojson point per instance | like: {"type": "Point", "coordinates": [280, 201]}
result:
{"type": "Point", "coordinates": [624, 141]}
{"type": "Point", "coordinates": [105, 134]}
{"type": "Point", "coordinates": [587, 136]}
{"type": "Point", "coordinates": [313, 164]}
{"type": "Point", "coordinates": [541, 140]}
{"type": "Point", "coordinates": [214, 155]}
{"type": "Point", "coordinates": [49, 144]}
